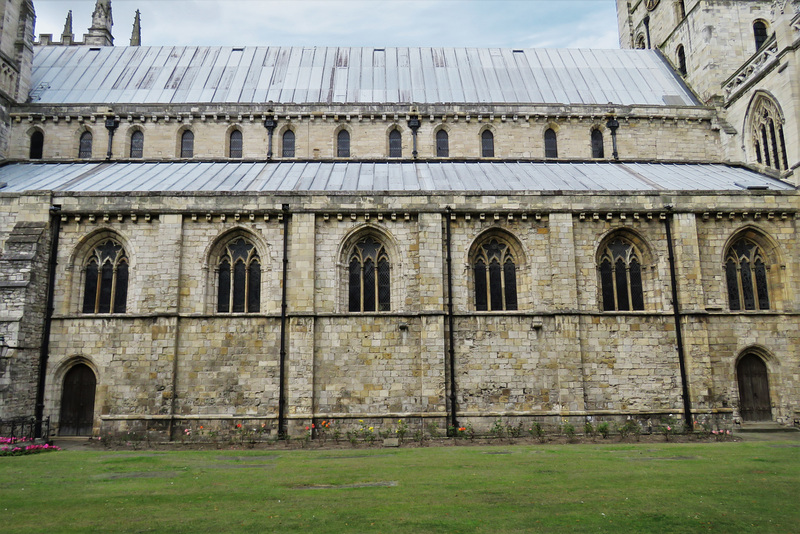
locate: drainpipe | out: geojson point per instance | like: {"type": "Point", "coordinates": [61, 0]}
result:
{"type": "Point", "coordinates": [646, 21]}
{"type": "Point", "coordinates": [414, 124]}
{"type": "Point", "coordinates": [282, 385]}
{"type": "Point", "coordinates": [111, 125]}
{"type": "Point", "coordinates": [270, 123]}
{"type": "Point", "coordinates": [613, 125]}
{"type": "Point", "coordinates": [55, 229]}
{"type": "Point", "coordinates": [687, 403]}
{"type": "Point", "coordinates": [451, 341]}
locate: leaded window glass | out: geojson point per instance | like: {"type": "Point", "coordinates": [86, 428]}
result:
{"type": "Point", "coordinates": [239, 278]}
{"type": "Point", "coordinates": [746, 276]}
{"type": "Point", "coordinates": [395, 144]}
{"type": "Point", "coordinates": [85, 148]}
{"type": "Point", "coordinates": [343, 144]}
{"type": "Point", "coordinates": [495, 271]}
{"type": "Point", "coordinates": [236, 144]}
{"type": "Point", "coordinates": [187, 144]}
{"type": "Point", "coordinates": [106, 279]}
{"type": "Point", "coordinates": [769, 143]}
{"type": "Point", "coordinates": [442, 144]}
{"type": "Point", "coordinates": [550, 144]}
{"type": "Point", "coordinates": [137, 144]}
{"type": "Point", "coordinates": [287, 148]}
{"type": "Point", "coordinates": [487, 144]}
{"type": "Point", "coordinates": [369, 277]}
{"type": "Point", "coordinates": [760, 33]}
{"type": "Point", "coordinates": [597, 144]}
{"type": "Point", "coordinates": [620, 272]}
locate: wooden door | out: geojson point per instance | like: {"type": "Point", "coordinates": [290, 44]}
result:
{"type": "Point", "coordinates": [754, 403]}
{"type": "Point", "coordinates": [77, 402]}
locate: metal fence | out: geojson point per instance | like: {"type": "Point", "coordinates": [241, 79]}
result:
{"type": "Point", "coordinates": [24, 427]}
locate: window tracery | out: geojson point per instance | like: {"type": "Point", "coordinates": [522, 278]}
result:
{"type": "Point", "coordinates": [239, 278]}
{"type": "Point", "coordinates": [766, 131]}
{"type": "Point", "coordinates": [106, 279]}
{"type": "Point", "coordinates": [495, 276]}
{"type": "Point", "coordinates": [620, 268]}
{"type": "Point", "coordinates": [369, 275]}
{"type": "Point", "coordinates": [746, 276]}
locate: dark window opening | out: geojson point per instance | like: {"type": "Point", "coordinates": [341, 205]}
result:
{"type": "Point", "coordinates": [620, 273]}
{"type": "Point", "coordinates": [137, 144]}
{"type": "Point", "coordinates": [760, 33]}
{"type": "Point", "coordinates": [287, 148]}
{"type": "Point", "coordinates": [487, 144]}
{"type": "Point", "coordinates": [187, 144]}
{"type": "Point", "coordinates": [106, 279]}
{"type": "Point", "coordinates": [495, 286]}
{"type": "Point", "coordinates": [370, 286]}
{"type": "Point", "coordinates": [598, 151]}
{"type": "Point", "coordinates": [343, 144]}
{"type": "Point", "coordinates": [85, 147]}
{"type": "Point", "coordinates": [746, 277]}
{"type": "Point", "coordinates": [442, 144]}
{"type": "Point", "coordinates": [236, 144]}
{"type": "Point", "coordinates": [239, 278]}
{"type": "Point", "coordinates": [681, 60]}
{"type": "Point", "coordinates": [37, 145]}
{"type": "Point", "coordinates": [395, 144]}
{"type": "Point", "coordinates": [550, 144]}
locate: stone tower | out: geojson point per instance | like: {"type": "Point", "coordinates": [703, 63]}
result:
{"type": "Point", "coordinates": [102, 21]}
{"type": "Point", "coordinates": [16, 58]}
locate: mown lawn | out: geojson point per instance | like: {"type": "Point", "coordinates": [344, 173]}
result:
{"type": "Point", "coordinates": [717, 487]}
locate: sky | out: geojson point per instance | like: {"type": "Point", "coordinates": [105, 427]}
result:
{"type": "Point", "coordinates": [380, 23]}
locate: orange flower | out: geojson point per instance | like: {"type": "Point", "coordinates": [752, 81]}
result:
{"type": "Point", "coordinates": [312, 425]}
{"type": "Point", "coordinates": [201, 427]}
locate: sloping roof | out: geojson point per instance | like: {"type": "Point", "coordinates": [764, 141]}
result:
{"type": "Point", "coordinates": [286, 177]}
{"type": "Point", "coordinates": [181, 75]}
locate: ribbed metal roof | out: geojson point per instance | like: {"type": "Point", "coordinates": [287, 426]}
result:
{"type": "Point", "coordinates": [181, 75]}
{"type": "Point", "coordinates": [326, 177]}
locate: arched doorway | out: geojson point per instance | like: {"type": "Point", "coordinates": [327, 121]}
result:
{"type": "Point", "coordinates": [754, 403]}
{"type": "Point", "coordinates": [77, 402]}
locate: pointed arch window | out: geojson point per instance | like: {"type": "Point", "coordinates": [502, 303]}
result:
{"type": "Point", "coordinates": [37, 145]}
{"type": "Point", "coordinates": [495, 274]}
{"type": "Point", "coordinates": [236, 144]}
{"type": "Point", "coordinates": [487, 144]}
{"type": "Point", "coordinates": [370, 280]}
{"type": "Point", "coordinates": [343, 144]}
{"type": "Point", "coordinates": [550, 144]}
{"type": "Point", "coordinates": [767, 136]}
{"type": "Point", "coordinates": [187, 144]}
{"type": "Point", "coordinates": [442, 144]}
{"type": "Point", "coordinates": [641, 43]}
{"type": "Point", "coordinates": [85, 146]}
{"type": "Point", "coordinates": [760, 33]}
{"type": "Point", "coordinates": [239, 278]}
{"type": "Point", "coordinates": [681, 60]}
{"type": "Point", "coordinates": [137, 144]}
{"type": "Point", "coordinates": [106, 279]}
{"type": "Point", "coordinates": [620, 270]}
{"type": "Point", "coordinates": [395, 144]}
{"type": "Point", "coordinates": [746, 276]}
{"type": "Point", "coordinates": [598, 150]}
{"type": "Point", "coordinates": [287, 145]}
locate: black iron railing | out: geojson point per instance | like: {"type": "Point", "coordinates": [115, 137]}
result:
{"type": "Point", "coordinates": [24, 427]}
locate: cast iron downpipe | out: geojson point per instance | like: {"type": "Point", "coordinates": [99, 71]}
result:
{"type": "Point", "coordinates": [282, 374]}
{"type": "Point", "coordinates": [451, 349]}
{"type": "Point", "coordinates": [55, 229]}
{"type": "Point", "coordinates": [111, 125]}
{"type": "Point", "coordinates": [613, 125]}
{"type": "Point", "coordinates": [269, 124]}
{"type": "Point", "coordinates": [413, 124]}
{"type": "Point", "coordinates": [646, 21]}
{"type": "Point", "coordinates": [687, 403]}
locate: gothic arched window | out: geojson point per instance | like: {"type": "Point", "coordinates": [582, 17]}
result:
{"type": "Point", "coordinates": [239, 278]}
{"type": "Point", "coordinates": [550, 144]}
{"type": "Point", "coordinates": [343, 144]}
{"type": "Point", "coordinates": [746, 276]}
{"type": "Point", "coordinates": [681, 60]}
{"type": "Point", "coordinates": [620, 268]}
{"type": "Point", "coordinates": [369, 277]}
{"type": "Point", "coordinates": [641, 43]}
{"type": "Point", "coordinates": [236, 144]}
{"type": "Point", "coordinates": [597, 144]}
{"type": "Point", "coordinates": [187, 144]}
{"type": "Point", "coordinates": [287, 147]}
{"type": "Point", "coordinates": [487, 144]}
{"type": "Point", "coordinates": [85, 146]}
{"type": "Point", "coordinates": [766, 131]}
{"type": "Point", "coordinates": [760, 33]}
{"type": "Point", "coordinates": [106, 279]}
{"type": "Point", "coordinates": [442, 144]}
{"type": "Point", "coordinates": [395, 144]}
{"type": "Point", "coordinates": [37, 145]}
{"type": "Point", "coordinates": [137, 144]}
{"type": "Point", "coordinates": [495, 271]}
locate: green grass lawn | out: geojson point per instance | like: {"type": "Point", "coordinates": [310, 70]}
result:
{"type": "Point", "coordinates": [717, 487]}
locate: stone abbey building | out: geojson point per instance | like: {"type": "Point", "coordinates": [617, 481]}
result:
{"type": "Point", "coordinates": [267, 235]}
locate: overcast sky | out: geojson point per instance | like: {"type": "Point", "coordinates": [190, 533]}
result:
{"type": "Point", "coordinates": [480, 23]}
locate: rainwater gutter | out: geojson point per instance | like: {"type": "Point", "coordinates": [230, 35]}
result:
{"type": "Point", "coordinates": [453, 415]}
{"type": "Point", "coordinates": [282, 374]}
{"type": "Point", "coordinates": [687, 403]}
{"type": "Point", "coordinates": [44, 353]}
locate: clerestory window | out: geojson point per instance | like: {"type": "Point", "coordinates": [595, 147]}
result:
{"type": "Point", "coordinates": [85, 146]}
{"type": "Point", "coordinates": [487, 144]}
{"type": "Point", "coordinates": [746, 276]}
{"type": "Point", "coordinates": [760, 33]}
{"type": "Point", "coordinates": [598, 150]}
{"type": "Point", "coordinates": [550, 144]}
{"type": "Point", "coordinates": [239, 278]}
{"type": "Point", "coordinates": [235, 144]}
{"type": "Point", "coordinates": [106, 279]}
{"type": "Point", "coordinates": [187, 144]}
{"type": "Point", "coordinates": [287, 148]}
{"type": "Point", "coordinates": [766, 131]}
{"type": "Point", "coordinates": [343, 144]}
{"type": "Point", "coordinates": [620, 269]}
{"type": "Point", "coordinates": [442, 144]}
{"type": "Point", "coordinates": [137, 144]}
{"type": "Point", "coordinates": [369, 277]}
{"type": "Point", "coordinates": [495, 271]}
{"type": "Point", "coordinates": [37, 145]}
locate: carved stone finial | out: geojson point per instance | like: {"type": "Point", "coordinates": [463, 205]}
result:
{"type": "Point", "coordinates": [68, 26]}
{"type": "Point", "coordinates": [102, 22]}
{"type": "Point", "coordinates": [136, 36]}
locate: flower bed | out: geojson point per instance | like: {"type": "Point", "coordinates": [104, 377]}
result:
{"type": "Point", "coordinates": [22, 446]}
